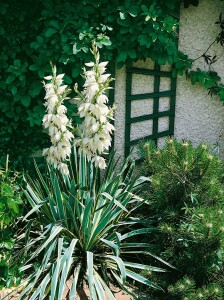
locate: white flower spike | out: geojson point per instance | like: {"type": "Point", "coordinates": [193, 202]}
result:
{"type": "Point", "coordinates": [57, 123]}
{"type": "Point", "coordinates": [96, 130]}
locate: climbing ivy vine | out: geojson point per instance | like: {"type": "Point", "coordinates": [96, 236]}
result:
{"type": "Point", "coordinates": [34, 33]}
{"type": "Point", "coordinates": [209, 79]}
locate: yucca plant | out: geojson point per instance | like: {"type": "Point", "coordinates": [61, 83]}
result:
{"type": "Point", "coordinates": [81, 230]}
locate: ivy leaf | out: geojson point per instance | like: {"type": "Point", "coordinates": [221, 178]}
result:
{"type": "Point", "coordinates": [75, 49]}
{"type": "Point", "coordinates": [26, 100]}
{"type": "Point", "coordinates": [133, 11]}
{"type": "Point", "coordinates": [10, 79]}
{"type": "Point", "coordinates": [170, 59]}
{"type": "Point", "coordinates": [64, 38]}
{"type": "Point", "coordinates": [55, 24]}
{"type": "Point", "coordinates": [162, 38]}
{"type": "Point", "coordinates": [17, 63]}
{"type": "Point", "coordinates": [154, 37]}
{"type": "Point", "coordinates": [14, 90]}
{"type": "Point", "coordinates": [143, 39]}
{"type": "Point", "coordinates": [75, 72]}
{"type": "Point", "coordinates": [221, 94]}
{"type": "Point", "coordinates": [35, 88]}
{"type": "Point", "coordinates": [12, 205]}
{"type": "Point", "coordinates": [144, 8]}
{"type": "Point", "coordinates": [36, 116]}
{"type": "Point", "coordinates": [125, 23]}
{"type": "Point", "coordinates": [67, 79]}
{"type": "Point", "coordinates": [179, 64]}
{"type": "Point", "coordinates": [40, 39]}
{"type": "Point", "coordinates": [106, 41]}
{"type": "Point", "coordinates": [34, 67]}
{"type": "Point", "coordinates": [50, 32]}
{"type": "Point", "coordinates": [132, 53]}
{"type": "Point", "coordinates": [122, 15]}
{"type": "Point", "coordinates": [124, 30]}
{"type": "Point", "coordinates": [41, 73]}
{"type": "Point", "coordinates": [17, 97]}
{"type": "Point", "coordinates": [161, 60]}
{"type": "Point", "coordinates": [122, 56]}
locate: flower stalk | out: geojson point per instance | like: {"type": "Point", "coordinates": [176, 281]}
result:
{"type": "Point", "coordinates": [56, 121]}
{"type": "Point", "coordinates": [95, 134]}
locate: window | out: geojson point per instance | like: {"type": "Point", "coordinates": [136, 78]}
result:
{"type": "Point", "coordinates": [150, 104]}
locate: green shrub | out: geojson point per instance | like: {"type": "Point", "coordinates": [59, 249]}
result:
{"type": "Point", "coordinates": [10, 210]}
{"type": "Point", "coordinates": [186, 198]}
{"type": "Point", "coordinates": [81, 229]}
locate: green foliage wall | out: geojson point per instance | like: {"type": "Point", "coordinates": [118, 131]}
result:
{"type": "Point", "coordinates": [33, 33]}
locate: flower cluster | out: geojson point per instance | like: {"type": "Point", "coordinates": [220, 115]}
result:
{"type": "Point", "coordinates": [57, 122]}
{"type": "Point", "coordinates": [94, 135]}
{"type": "Point", "coordinates": [95, 132]}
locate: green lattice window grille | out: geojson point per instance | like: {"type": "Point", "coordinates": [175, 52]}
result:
{"type": "Point", "coordinates": [150, 105]}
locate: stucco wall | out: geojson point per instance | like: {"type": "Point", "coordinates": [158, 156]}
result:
{"type": "Point", "coordinates": [119, 97]}
{"type": "Point", "coordinates": [198, 116]}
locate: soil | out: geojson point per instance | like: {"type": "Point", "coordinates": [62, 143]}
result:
{"type": "Point", "coordinates": [83, 295]}
{"type": "Point", "coordinates": [119, 295]}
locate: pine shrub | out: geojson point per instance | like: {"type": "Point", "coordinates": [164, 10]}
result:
{"type": "Point", "coordinates": [185, 198]}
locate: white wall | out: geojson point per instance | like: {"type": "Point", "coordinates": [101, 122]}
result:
{"type": "Point", "coordinates": [119, 97]}
{"type": "Point", "coordinates": [198, 116]}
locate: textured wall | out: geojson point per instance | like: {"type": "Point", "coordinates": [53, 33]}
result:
{"type": "Point", "coordinates": [120, 91]}
{"type": "Point", "coordinates": [198, 116]}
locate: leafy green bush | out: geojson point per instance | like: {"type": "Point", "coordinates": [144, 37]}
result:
{"type": "Point", "coordinates": [81, 229]}
{"type": "Point", "coordinates": [10, 210]}
{"type": "Point", "coordinates": [186, 197]}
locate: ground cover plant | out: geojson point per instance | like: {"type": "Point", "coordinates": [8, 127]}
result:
{"type": "Point", "coordinates": [186, 198]}
{"type": "Point", "coordinates": [81, 227]}
{"type": "Point", "coordinates": [10, 209]}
